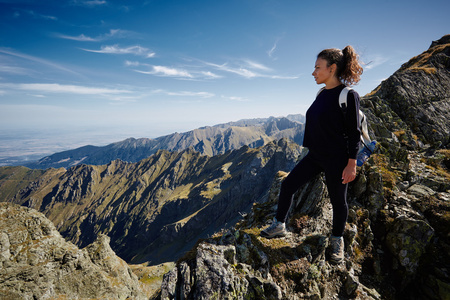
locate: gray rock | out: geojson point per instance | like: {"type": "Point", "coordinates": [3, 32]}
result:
{"type": "Point", "coordinates": [420, 191]}
{"type": "Point", "coordinates": [407, 241]}
{"type": "Point", "coordinates": [37, 263]}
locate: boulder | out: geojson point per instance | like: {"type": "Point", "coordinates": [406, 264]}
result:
{"type": "Point", "coordinates": [37, 263]}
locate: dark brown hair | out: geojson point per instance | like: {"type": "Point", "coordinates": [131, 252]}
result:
{"type": "Point", "coordinates": [349, 69]}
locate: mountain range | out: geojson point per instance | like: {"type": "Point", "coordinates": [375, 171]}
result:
{"type": "Point", "coordinates": [211, 140]}
{"type": "Point", "coordinates": [205, 213]}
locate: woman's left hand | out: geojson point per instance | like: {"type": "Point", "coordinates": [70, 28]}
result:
{"type": "Point", "coordinates": [349, 173]}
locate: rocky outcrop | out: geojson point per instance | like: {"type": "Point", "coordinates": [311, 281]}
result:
{"type": "Point", "coordinates": [418, 94]}
{"type": "Point", "coordinates": [396, 243]}
{"type": "Point", "coordinates": [211, 140]}
{"type": "Point", "coordinates": [37, 263]}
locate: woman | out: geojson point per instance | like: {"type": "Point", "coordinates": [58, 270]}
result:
{"type": "Point", "coordinates": [333, 141]}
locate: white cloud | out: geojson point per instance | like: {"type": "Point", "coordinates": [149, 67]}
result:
{"type": "Point", "coordinates": [166, 71]}
{"type": "Point", "coordinates": [115, 49]}
{"type": "Point", "coordinates": [170, 71]}
{"type": "Point", "coordinates": [113, 33]}
{"type": "Point", "coordinates": [39, 16]}
{"type": "Point", "coordinates": [192, 94]}
{"type": "Point", "coordinates": [247, 73]}
{"type": "Point", "coordinates": [376, 61]}
{"type": "Point", "coordinates": [184, 93]}
{"type": "Point", "coordinates": [13, 70]}
{"type": "Point", "coordinates": [94, 2]}
{"type": "Point", "coordinates": [255, 65]}
{"type": "Point", "coordinates": [283, 77]}
{"type": "Point", "coordinates": [89, 2]}
{"type": "Point", "coordinates": [233, 98]}
{"type": "Point", "coordinates": [59, 88]}
{"type": "Point", "coordinates": [240, 71]}
{"type": "Point", "coordinates": [80, 38]}
{"type": "Point", "coordinates": [122, 99]}
{"type": "Point", "coordinates": [209, 74]}
{"type": "Point", "coordinates": [272, 50]}
{"type": "Point", "coordinates": [35, 59]}
{"type": "Point", "coordinates": [132, 63]}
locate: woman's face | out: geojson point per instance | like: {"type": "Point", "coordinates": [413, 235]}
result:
{"type": "Point", "coordinates": [322, 73]}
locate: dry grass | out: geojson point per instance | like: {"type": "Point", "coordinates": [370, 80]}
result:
{"type": "Point", "coordinates": [421, 62]}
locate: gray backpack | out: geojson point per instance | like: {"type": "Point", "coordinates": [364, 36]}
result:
{"type": "Point", "coordinates": [366, 145]}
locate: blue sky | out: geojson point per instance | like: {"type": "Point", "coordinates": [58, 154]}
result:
{"type": "Point", "coordinates": [101, 70]}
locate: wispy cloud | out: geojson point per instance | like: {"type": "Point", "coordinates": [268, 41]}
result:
{"type": "Point", "coordinates": [233, 98]}
{"type": "Point", "coordinates": [113, 33]}
{"type": "Point", "coordinates": [272, 50]}
{"type": "Point", "coordinates": [89, 2]}
{"type": "Point", "coordinates": [184, 93]}
{"type": "Point", "coordinates": [236, 70]}
{"type": "Point", "coordinates": [115, 49]}
{"type": "Point", "coordinates": [35, 59]}
{"type": "Point", "coordinates": [178, 72]}
{"type": "Point", "coordinates": [60, 88]}
{"type": "Point", "coordinates": [376, 61]}
{"type": "Point", "coordinates": [132, 63]}
{"type": "Point", "coordinates": [36, 15]}
{"type": "Point", "coordinates": [37, 95]}
{"type": "Point", "coordinates": [95, 2]}
{"type": "Point", "coordinates": [191, 94]}
{"type": "Point", "coordinates": [283, 77]}
{"type": "Point", "coordinates": [256, 65]}
{"type": "Point", "coordinates": [246, 68]}
{"type": "Point", "coordinates": [80, 38]}
{"type": "Point", "coordinates": [13, 70]}
{"type": "Point", "coordinates": [167, 72]}
{"type": "Point", "coordinates": [249, 69]}
{"type": "Point", "coordinates": [208, 74]}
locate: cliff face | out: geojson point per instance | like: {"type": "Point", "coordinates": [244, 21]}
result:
{"type": "Point", "coordinates": [155, 209]}
{"type": "Point", "coordinates": [396, 240]}
{"type": "Point", "coordinates": [37, 263]}
{"type": "Point", "coordinates": [419, 95]}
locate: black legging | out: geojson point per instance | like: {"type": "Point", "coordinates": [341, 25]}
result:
{"type": "Point", "coordinates": [304, 171]}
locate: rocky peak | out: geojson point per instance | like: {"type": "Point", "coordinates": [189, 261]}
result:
{"type": "Point", "coordinates": [37, 263]}
{"type": "Point", "coordinates": [414, 103]}
{"type": "Point", "coordinates": [442, 41]}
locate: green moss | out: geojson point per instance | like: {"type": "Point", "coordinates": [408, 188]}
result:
{"type": "Point", "coordinates": [389, 176]}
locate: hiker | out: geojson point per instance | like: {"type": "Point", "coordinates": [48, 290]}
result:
{"type": "Point", "coordinates": [332, 138]}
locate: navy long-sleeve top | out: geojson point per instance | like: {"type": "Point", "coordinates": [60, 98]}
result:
{"type": "Point", "coordinates": [330, 132]}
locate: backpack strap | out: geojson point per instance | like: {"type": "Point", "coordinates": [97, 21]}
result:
{"type": "Point", "coordinates": [343, 98]}
{"type": "Point", "coordinates": [365, 139]}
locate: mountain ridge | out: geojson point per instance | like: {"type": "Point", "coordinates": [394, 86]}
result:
{"type": "Point", "coordinates": [208, 140]}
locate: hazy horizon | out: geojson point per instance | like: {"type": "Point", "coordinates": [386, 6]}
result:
{"type": "Point", "coordinates": [35, 144]}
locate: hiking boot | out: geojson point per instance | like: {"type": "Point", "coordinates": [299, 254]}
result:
{"type": "Point", "coordinates": [276, 229]}
{"type": "Point", "coordinates": [337, 249]}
